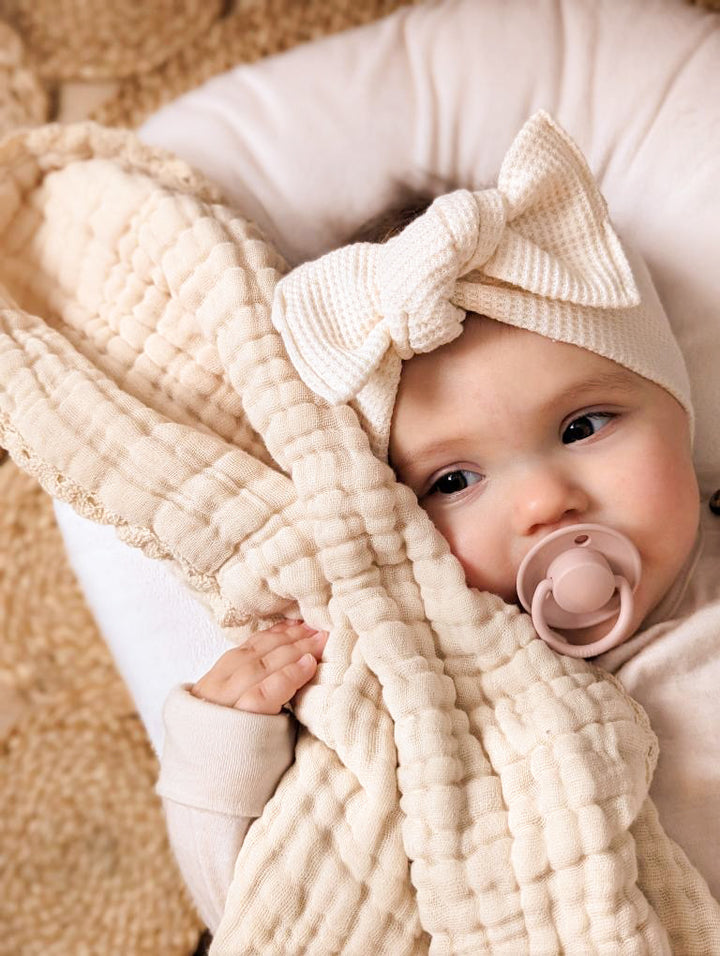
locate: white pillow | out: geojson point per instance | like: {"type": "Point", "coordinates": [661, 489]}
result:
{"type": "Point", "coordinates": [310, 143]}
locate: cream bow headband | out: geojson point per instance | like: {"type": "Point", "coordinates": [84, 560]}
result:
{"type": "Point", "coordinates": [538, 252]}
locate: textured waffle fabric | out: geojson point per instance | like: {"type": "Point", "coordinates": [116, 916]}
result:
{"type": "Point", "coordinates": [458, 787]}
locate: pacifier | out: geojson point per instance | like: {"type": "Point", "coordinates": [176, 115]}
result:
{"type": "Point", "coordinates": [576, 577]}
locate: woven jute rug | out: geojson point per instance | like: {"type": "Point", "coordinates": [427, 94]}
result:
{"type": "Point", "coordinates": [84, 862]}
{"type": "Point", "coordinates": [94, 39]}
{"type": "Point", "coordinates": [23, 98]}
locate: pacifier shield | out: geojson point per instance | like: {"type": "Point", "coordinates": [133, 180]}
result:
{"type": "Point", "coordinates": [584, 588]}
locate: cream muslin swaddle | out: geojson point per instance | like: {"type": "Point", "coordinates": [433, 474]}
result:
{"type": "Point", "coordinates": [458, 787]}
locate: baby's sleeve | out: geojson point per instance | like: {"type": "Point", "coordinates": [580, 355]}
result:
{"type": "Point", "coordinates": [219, 768]}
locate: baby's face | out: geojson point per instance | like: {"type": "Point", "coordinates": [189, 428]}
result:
{"type": "Point", "coordinates": [506, 436]}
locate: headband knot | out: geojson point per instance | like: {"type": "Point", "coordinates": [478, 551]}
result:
{"type": "Point", "coordinates": [492, 220]}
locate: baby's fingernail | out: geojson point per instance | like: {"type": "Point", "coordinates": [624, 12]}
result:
{"type": "Point", "coordinates": [307, 661]}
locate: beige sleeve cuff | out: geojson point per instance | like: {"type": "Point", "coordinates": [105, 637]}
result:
{"type": "Point", "coordinates": [220, 759]}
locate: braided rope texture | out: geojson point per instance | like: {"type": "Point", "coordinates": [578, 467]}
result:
{"type": "Point", "coordinates": [458, 787]}
{"type": "Point", "coordinates": [23, 100]}
{"type": "Point", "coordinates": [80, 823]}
{"type": "Point", "coordinates": [96, 40]}
{"type": "Point", "coordinates": [252, 29]}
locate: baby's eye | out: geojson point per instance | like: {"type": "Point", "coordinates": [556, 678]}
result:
{"type": "Point", "coordinates": [585, 426]}
{"type": "Point", "coordinates": [453, 481]}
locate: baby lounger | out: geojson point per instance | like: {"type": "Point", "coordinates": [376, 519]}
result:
{"type": "Point", "coordinates": [311, 143]}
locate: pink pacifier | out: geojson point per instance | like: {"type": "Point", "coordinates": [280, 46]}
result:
{"type": "Point", "coordinates": [577, 577]}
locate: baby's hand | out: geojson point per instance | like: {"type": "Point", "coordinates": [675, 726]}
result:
{"type": "Point", "coordinates": [266, 671]}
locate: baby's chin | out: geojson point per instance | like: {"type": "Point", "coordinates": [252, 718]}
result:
{"type": "Point", "coordinates": [582, 636]}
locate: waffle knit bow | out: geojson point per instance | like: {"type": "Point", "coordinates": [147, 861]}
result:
{"type": "Point", "coordinates": [538, 252]}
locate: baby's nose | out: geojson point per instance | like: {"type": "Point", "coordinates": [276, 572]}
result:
{"type": "Point", "coordinates": [543, 497]}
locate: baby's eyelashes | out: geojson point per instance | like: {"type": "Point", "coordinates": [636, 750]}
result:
{"type": "Point", "coordinates": [454, 481]}
{"type": "Point", "coordinates": [585, 426]}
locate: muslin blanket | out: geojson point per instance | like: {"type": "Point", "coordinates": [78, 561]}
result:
{"type": "Point", "coordinates": [458, 786]}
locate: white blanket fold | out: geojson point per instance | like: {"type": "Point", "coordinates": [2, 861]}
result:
{"type": "Point", "coordinates": [458, 786]}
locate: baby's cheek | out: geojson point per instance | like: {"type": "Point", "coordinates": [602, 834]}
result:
{"type": "Point", "coordinates": [673, 486]}
{"type": "Point", "coordinates": [457, 534]}
{"type": "Point", "coordinates": [665, 495]}
{"type": "Point", "coordinates": [481, 555]}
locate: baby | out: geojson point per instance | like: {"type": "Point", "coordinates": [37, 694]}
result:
{"type": "Point", "coordinates": [505, 435]}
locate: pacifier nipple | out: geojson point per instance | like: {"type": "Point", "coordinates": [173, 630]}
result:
{"type": "Point", "coordinates": [575, 578]}
{"type": "Point", "coordinates": [582, 580]}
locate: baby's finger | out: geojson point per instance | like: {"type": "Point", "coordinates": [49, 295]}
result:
{"type": "Point", "coordinates": [259, 645]}
{"type": "Point", "coordinates": [269, 696]}
{"type": "Point", "coordinates": [284, 632]}
{"type": "Point", "coordinates": [252, 670]}
{"type": "Point", "coordinates": [241, 668]}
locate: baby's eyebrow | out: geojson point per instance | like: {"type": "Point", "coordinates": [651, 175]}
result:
{"type": "Point", "coordinates": [426, 453]}
{"type": "Point", "coordinates": [619, 379]}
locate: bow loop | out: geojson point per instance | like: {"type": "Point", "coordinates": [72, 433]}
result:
{"type": "Point", "coordinates": [560, 243]}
